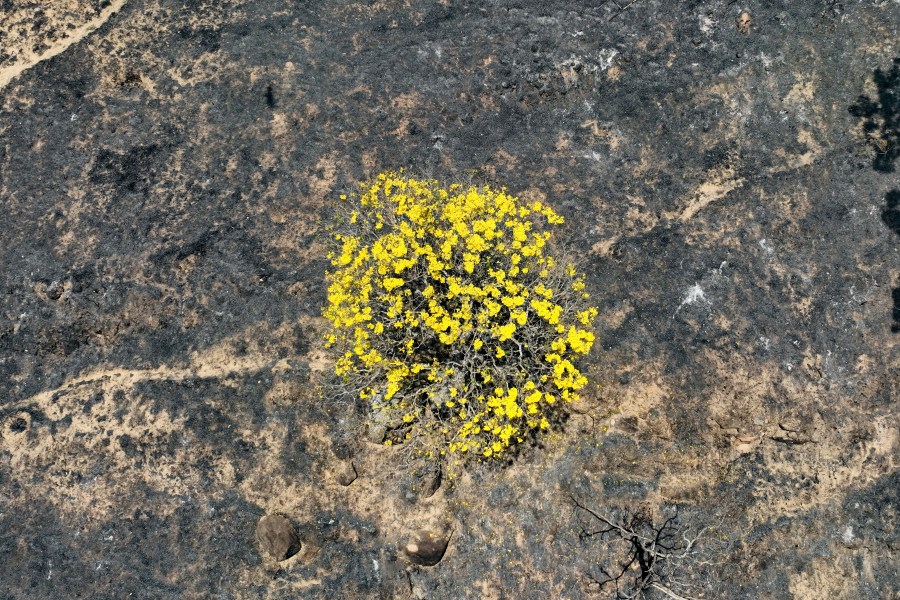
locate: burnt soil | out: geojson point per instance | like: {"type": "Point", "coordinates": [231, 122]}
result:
{"type": "Point", "coordinates": [730, 177]}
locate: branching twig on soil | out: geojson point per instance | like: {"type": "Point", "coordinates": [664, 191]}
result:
{"type": "Point", "coordinates": [654, 555]}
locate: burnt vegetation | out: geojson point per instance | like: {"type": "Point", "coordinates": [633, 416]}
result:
{"type": "Point", "coordinates": [640, 556]}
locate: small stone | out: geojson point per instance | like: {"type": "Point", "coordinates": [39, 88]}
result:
{"type": "Point", "coordinates": [277, 538]}
{"type": "Point", "coordinates": [744, 448]}
{"type": "Point", "coordinates": [346, 473]}
{"type": "Point", "coordinates": [54, 290]}
{"type": "Point", "coordinates": [431, 482]}
{"type": "Point", "coordinates": [625, 378]}
{"type": "Point", "coordinates": [375, 433]}
{"type": "Point", "coordinates": [744, 22]}
{"type": "Point", "coordinates": [376, 428]}
{"type": "Point", "coordinates": [849, 538]}
{"type": "Point", "coordinates": [791, 424]}
{"type": "Point", "coordinates": [427, 548]}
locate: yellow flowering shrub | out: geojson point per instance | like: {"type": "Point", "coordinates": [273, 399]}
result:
{"type": "Point", "coordinates": [451, 318]}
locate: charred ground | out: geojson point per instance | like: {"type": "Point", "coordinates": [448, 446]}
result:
{"type": "Point", "coordinates": [728, 174]}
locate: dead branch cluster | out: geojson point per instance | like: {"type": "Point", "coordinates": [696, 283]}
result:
{"type": "Point", "coordinates": [637, 554]}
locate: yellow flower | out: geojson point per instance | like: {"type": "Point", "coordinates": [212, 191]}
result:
{"type": "Point", "coordinates": [580, 340]}
{"type": "Point", "coordinates": [586, 316]}
{"type": "Point", "coordinates": [420, 271]}
{"type": "Point", "coordinates": [504, 332]}
{"type": "Point", "coordinates": [390, 283]}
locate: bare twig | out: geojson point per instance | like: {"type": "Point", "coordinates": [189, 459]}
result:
{"type": "Point", "coordinates": [622, 9]}
{"type": "Point", "coordinates": [655, 556]}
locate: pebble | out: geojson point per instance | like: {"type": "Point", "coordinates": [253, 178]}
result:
{"type": "Point", "coordinates": [276, 537]}
{"type": "Point", "coordinates": [375, 433]}
{"type": "Point", "coordinates": [346, 473]}
{"type": "Point", "coordinates": [431, 482]}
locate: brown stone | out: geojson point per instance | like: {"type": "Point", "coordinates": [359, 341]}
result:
{"type": "Point", "coordinates": [427, 548]}
{"type": "Point", "coordinates": [744, 22]}
{"type": "Point", "coordinates": [346, 473]}
{"type": "Point", "coordinates": [431, 482]}
{"type": "Point", "coordinates": [277, 538]}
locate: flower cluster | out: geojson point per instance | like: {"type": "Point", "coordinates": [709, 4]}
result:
{"type": "Point", "coordinates": [451, 319]}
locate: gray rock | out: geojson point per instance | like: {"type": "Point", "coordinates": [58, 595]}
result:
{"type": "Point", "coordinates": [375, 432]}
{"type": "Point", "coordinates": [377, 426]}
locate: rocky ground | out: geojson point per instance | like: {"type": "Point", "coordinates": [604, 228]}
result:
{"type": "Point", "coordinates": [729, 174]}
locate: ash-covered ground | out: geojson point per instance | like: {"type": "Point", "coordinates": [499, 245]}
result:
{"type": "Point", "coordinates": [730, 175]}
